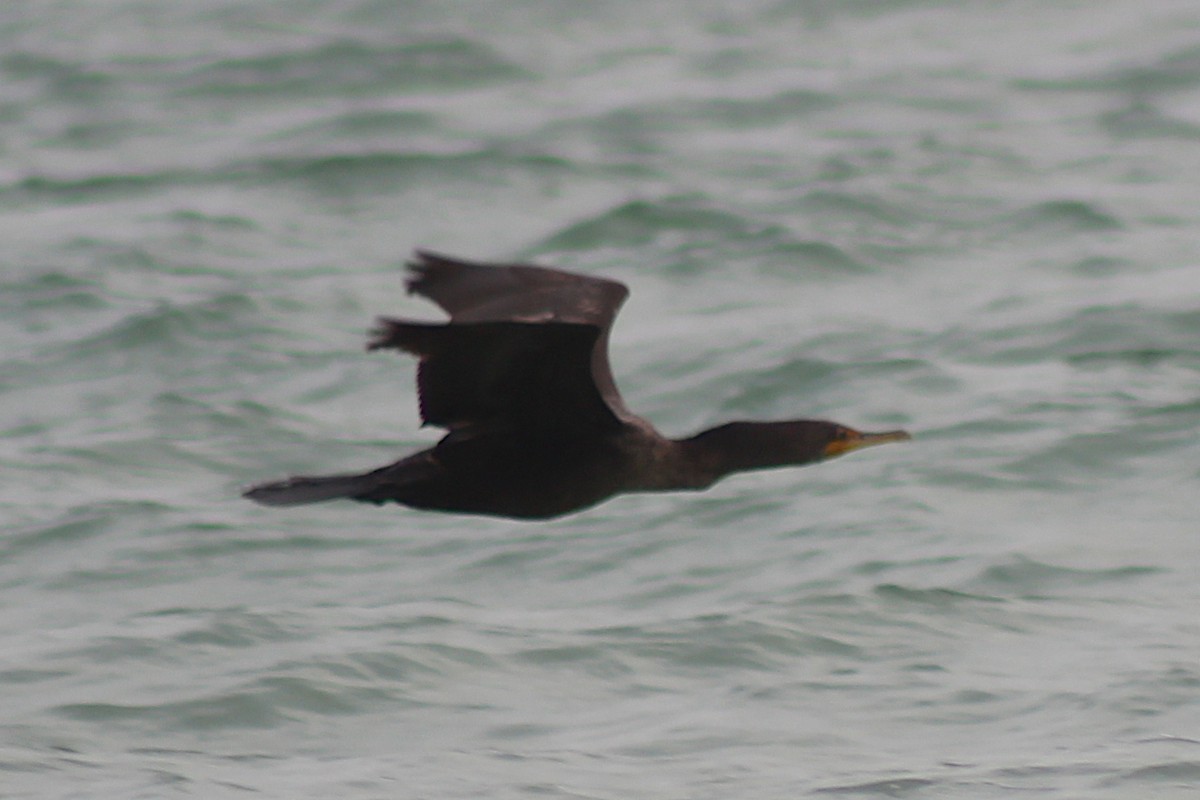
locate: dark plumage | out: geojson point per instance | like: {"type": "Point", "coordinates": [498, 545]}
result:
{"type": "Point", "coordinates": [519, 378]}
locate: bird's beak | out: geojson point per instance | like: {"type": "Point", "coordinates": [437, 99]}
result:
{"type": "Point", "coordinates": [854, 440]}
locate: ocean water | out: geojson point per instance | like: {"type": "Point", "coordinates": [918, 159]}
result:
{"type": "Point", "coordinates": [978, 221]}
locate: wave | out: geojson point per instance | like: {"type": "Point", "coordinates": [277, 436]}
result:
{"type": "Point", "coordinates": [1173, 71]}
{"type": "Point", "coordinates": [376, 171]}
{"type": "Point", "coordinates": [348, 66]}
{"type": "Point", "coordinates": [1025, 577]}
{"type": "Point", "coordinates": [224, 316]}
{"type": "Point", "coordinates": [690, 221]}
{"type": "Point", "coordinates": [1058, 217]}
{"type": "Point", "coordinates": [1091, 337]}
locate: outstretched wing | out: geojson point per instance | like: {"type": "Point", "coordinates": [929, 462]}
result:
{"type": "Point", "coordinates": [534, 377]}
{"type": "Point", "coordinates": [525, 346]}
{"type": "Point", "coordinates": [475, 292]}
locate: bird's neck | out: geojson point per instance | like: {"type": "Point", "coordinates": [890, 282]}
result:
{"type": "Point", "coordinates": [744, 446]}
{"type": "Point", "coordinates": [699, 461]}
{"type": "Point", "coordinates": [696, 462]}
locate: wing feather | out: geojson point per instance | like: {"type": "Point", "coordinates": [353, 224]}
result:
{"type": "Point", "coordinates": [531, 376]}
{"type": "Point", "coordinates": [477, 292]}
{"type": "Point", "coordinates": [549, 313]}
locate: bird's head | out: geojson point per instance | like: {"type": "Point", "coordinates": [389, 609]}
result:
{"type": "Point", "coordinates": [741, 446]}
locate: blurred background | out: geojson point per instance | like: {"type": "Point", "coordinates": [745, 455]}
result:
{"type": "Point", "coordinates": [975, 220]}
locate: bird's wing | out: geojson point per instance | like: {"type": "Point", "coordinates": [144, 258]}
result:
{"type": "Point", "coordinates": [534, 378]}
{"type": "Point", "coordinates": [519, 293]}
{"type": "Point", "coordinates": [475, 292]}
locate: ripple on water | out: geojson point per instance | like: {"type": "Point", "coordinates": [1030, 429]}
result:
{"type": "Point", "coordinates": [221, 317]}
{"type": "Point", "coordinates": [51, 290]}
{"type": "Point", "coordinates": [1126, 332]}
{"type": "Point", "coordinates": [76, 524]}
{"type": "Point", "coordinates": [346, 66]}
{"type": "Point", "coordinates": [1177, 69]}
{"type": "Point", "coordinates": [199, 199]}
{"type": "Point", "coordinates": [388, 172]}
{"type": "Point", "coordinates": [887, 787]}
{"type": "Point", "coordinates": [715, 643]}
{"type": "Point", "coordinates": [640, 222]}
{"type": "Point", "coordinates": [690, 224]}
{"type": "Point", "coordinates": [230, 710]}
{"type": "Point", "coordinates": [1026, 577]}
{"type": "Point", "coordinates": [1054, 218]}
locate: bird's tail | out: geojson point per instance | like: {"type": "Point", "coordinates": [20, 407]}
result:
{"type": "Point", "coordinates": [390, 483]}
{"type": "Point", "coordinates": [302, 489]}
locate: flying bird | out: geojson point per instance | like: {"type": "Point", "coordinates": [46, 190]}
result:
{"type": "Point", "coordinates": [535, 427]}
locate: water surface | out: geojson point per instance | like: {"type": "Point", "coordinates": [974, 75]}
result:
{"type": "Point", "coordinates": [976, 221]}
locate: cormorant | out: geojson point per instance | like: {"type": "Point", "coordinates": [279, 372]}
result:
{"type": "Point", "coordinates": [519, 378]}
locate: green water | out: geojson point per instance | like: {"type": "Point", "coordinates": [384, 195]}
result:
{"type": "Point", "coordinates": [975, 221]}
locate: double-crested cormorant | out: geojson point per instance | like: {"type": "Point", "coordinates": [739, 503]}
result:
{"type": "Point", "coordinates": [519, 378]}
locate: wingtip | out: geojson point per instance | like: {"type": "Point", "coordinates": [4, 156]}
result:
{"type": "Point", "coordinates": [398, 334]}
{"type": "Point", "coordinates": [417, 267]}
{"type": "Point", "coordinates": [421, 258]}
{"type": "Point", "coordinates": [379, 334]}
{"type": "Point", "coordinates": [427, 267]}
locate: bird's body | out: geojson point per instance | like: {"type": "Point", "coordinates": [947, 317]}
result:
{"type": "Point", "coordinates": [520, 379]}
